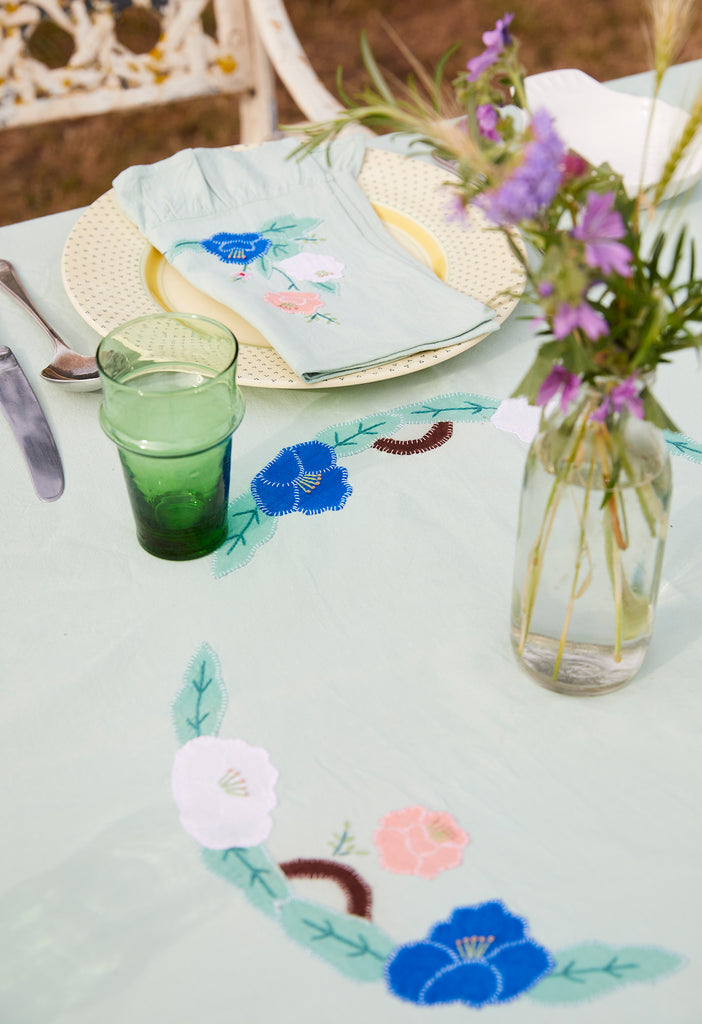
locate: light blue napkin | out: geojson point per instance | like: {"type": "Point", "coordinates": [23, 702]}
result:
{"type": "Point", "coordinates": [295, 247]}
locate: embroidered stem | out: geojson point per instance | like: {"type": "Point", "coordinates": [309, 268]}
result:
{"type": "Point", "coordinates": [240, 537]}
{"type": "Point", "coordinates": [358, 894]}
{"type": "Point", "coordinates": [570, 972]}
{"type": "Point", "coordinates": [438, 434]}
{"type": "Point", "coordinates": [200, 687]}
{"type": "Point", "coordinates": [292, 287]}
{"type": "Point", "coordinates": [369, 431]}
{"type": "Point", "coordinates": [256, 874]}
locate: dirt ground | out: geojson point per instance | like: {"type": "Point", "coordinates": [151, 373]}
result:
{"type": "Point", "coordinates": [48, 168]}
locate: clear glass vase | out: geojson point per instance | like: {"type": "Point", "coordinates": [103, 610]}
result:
{"type": "Point", "coordinates": [592, 528]}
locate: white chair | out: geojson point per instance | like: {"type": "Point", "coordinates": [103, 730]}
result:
{"type": "Point", "coordinates": [72, 58]}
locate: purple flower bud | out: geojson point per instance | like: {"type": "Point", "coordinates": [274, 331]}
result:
{"type": "Point", "coordinates": [487, 122]}
{"type": "Point", "coordinates": [495, 41]}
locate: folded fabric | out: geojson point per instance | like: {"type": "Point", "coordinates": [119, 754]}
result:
{"type": "Point", "coordinates": [295, 247]}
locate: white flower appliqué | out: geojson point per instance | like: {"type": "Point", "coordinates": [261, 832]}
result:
{"type": "Point", "coordinates": [225, 791]}
{"type": "Point", "coordinates": [516, 416]}
{"type": "Point", "coordinates": [310, 266]}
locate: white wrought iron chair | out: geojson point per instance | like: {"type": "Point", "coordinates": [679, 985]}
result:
{"type": "Point", "coordinates": [72, 58]}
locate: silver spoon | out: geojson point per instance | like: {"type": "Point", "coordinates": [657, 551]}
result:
{"type": "Point", "coordinates": [67, 367]}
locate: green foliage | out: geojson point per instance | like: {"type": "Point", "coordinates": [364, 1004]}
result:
{"type": "Point", "coordinates": [199, 705]}
{"type": "Point", "coordinates": [590, 970]}
{"type": "Point", "coordinates": [249, 528]}
{"type": "Point", "coordinates": [254, 872]}
{"type": "Point", "coordinates": [632, 318]}
{"type": "Point", "coordinates": [353, 945]}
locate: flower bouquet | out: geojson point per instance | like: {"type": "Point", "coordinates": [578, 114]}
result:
{"type": "Point", "coordinates": [615, 296]}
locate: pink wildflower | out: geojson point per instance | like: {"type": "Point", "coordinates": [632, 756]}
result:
{"type": "Point", "coordinates": [624, 395]}
{"type": "Point", "coordinates": [569, 318]}
{"type": "Point", "coordinates": [599, 228]}
{"type": "Point", "coordinates": [559, 379]}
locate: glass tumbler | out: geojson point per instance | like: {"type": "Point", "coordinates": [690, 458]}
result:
{"type": "Point", "coordinates": [171, 404]}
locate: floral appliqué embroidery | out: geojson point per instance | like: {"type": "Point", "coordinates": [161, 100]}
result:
{"type": "Point", "coordinates": [303, 478]}
{"type": "Point", "coordinates": [278, 249]}
{"type": "Point", "coordinates": [482, 954]}
{"type": "Point", "coordinates": [417, 841]}
{"type": "Point", "coordinates": [225, 791]}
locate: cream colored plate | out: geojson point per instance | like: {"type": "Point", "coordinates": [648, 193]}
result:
{"type": "Point", "coordinates": [112, 274]}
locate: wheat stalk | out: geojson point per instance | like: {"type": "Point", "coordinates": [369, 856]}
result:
{"type": "Point", "coordinates": [669, 22]}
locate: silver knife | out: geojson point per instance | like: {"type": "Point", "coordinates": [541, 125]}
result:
{"type": "Point", "coordinates": [28, 424]}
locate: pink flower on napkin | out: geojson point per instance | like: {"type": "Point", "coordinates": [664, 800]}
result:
{"type": "Point", "coordinates": [417, 841]}
{"type": "Point", "coordinates": [294, 302]}
{"type": "Point", "coordinates": [225, 791]}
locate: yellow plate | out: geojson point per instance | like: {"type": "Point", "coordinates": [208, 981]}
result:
{"type": "Point", "coordinates": [113, 274]}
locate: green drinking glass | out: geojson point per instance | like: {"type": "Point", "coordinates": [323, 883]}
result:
{"type": "Point", "coordinates": [171, 404]}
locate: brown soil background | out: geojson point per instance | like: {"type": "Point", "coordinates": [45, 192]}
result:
{"type": "Point", "coordinates": [48, 168]}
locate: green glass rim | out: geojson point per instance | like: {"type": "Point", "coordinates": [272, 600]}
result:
{"type": "Point", "coordinates": [187, 318]}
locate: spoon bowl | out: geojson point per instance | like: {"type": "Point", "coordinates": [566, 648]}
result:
{"type": "Point", "coordinates": [67, 368]}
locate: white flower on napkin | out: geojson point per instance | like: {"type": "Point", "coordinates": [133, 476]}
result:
{"type": "Point", "coordinates": [313, 266]}
{"type": "Point", "coordinates": [225, 791]}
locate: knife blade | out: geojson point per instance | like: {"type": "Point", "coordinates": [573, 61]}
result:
{"type": "Point", "coordinates": [32, 432]}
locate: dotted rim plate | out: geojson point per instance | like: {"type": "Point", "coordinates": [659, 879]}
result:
{"type": "Point", "coordinates": [112, 274]}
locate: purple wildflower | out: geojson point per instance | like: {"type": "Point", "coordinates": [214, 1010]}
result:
{"type": "Point", "coordinates": [568, 318]}
{"type": "Point", "coordinates": [559, 379]}
{"type": "Point", "coordinates": [499, 36]}
{"type": "Point", "coordinates": [624, 395]}
{"type": "Point", "coordinates": [495, 41]}
{"type": "Point", "coordinates": [533, 183]}
{"type": "Point", "coordinates": [600, 227]}
{"type": "Point", "coordinates": [487, 122]}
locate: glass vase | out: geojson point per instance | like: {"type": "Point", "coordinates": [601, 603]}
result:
{"type": "Point", "coordinates": [592, 529]}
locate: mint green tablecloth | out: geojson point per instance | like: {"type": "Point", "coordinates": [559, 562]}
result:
{"type": "Point", "coordinates": [364, 654]}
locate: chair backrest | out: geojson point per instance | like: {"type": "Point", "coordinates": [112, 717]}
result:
{"type": "Point", "coordinates": [71, 58]}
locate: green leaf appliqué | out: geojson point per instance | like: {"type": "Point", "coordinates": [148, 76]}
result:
{"type": "Point", "coordinates": [249, 528]}
{"type": "Point", "coordinates": [594, 969]}
{"type": "Point", "coordinates": [357, 435]}
{"type": "Point", "coordinates": [351, 944]}
{"type": "Point", "coordinates": [680, 444]}
{"type": "Point", "coordinates": [461, 407]}
{"type": "Point", "coordinates": [199, 705]}
{"type": "Point", "coordinates": [251, 870]}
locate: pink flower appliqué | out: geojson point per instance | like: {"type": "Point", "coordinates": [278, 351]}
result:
{"type": "Point", "coordinates": [304, 303]}
{"type": "Point", "coordinates": [417, 841]}
{"type": "Point", "coordinates": [225, 791]}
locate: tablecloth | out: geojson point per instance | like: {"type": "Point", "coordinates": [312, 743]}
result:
{"type": "Point", "coordinates": [355, 667]}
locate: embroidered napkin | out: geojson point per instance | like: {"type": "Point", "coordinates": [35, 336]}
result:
{"type": "Point", "coordinates": [295, 247]}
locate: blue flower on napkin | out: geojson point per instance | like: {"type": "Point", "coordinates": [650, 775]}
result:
{"type": "Point", "coordinates": [303, 478]}
{"type": "Point", "coordinates": [243, 248]}
{"type": "Point", "coordinates": [480, 955]}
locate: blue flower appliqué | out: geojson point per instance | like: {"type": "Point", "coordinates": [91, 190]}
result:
{"type": "Point", "coordinates": [482, 954]}
{"type": "Point", "coordinates": [303, 478]}
{"type": "Point", "coordinates": [242, 249]}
